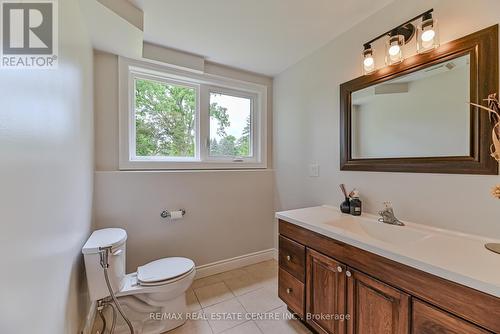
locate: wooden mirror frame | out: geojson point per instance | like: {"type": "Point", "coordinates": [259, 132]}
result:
{"type": "Point", "coordinates": [482, 47]}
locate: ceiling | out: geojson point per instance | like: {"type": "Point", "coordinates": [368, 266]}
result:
{"type": "Point", "coordinates": [263, 36]}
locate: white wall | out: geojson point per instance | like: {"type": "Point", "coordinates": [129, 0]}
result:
{"type": "Point", "coordinates": [306, 118]}
{"type": "Point", "coordinates": [229, 213]}
{"type": "Point", "coordinates": [46, 172]}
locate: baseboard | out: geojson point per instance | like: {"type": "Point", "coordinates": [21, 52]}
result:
{"type": "Point", "coordinates": [90, 319]}
{"type": "Point", "coordinates": [235, 262]}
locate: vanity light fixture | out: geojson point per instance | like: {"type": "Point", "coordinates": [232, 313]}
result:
{"type": "Point", "coordinates": [368, 60]}
{"type": "Point", "coordinates": [427, 34]}
{"type": "Point", "coordinates": [398, 37]}
{"type": "Point", "coordinates": [394, 54]}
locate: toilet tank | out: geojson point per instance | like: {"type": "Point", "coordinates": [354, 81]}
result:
{"type": "Point", "coordinates": [116, 238]}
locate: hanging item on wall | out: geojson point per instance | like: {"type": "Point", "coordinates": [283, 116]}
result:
{"type": "Point", "coordinates": [496, 191]}
{"type": "Point", "coordinates": [494, 110]}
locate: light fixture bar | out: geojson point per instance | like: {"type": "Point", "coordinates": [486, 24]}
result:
{"type": "Point", "coordinates": [401, 25]}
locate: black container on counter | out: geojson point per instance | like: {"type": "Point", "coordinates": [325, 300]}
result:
{"type": "Point", "coordinates": [345, 207]}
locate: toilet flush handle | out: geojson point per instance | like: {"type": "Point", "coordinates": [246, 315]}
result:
{"type": "Point", "coordinates": [118, 252]}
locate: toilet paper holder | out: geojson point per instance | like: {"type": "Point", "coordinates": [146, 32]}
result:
{"type": "Point", "coordinates": [168, 214]}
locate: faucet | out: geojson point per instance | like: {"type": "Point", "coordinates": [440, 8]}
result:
{"type": "Point", "coordinates": [388, 217]}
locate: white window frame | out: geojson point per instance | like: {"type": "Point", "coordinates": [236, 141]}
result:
{"type": "Point", "coordinates": [203, 83]}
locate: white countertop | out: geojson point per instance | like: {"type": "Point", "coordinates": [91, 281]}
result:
{"type": "Point", "coordinates": [458, 257]}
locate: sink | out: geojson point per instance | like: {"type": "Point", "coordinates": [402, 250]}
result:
{"type": "Point", "coordinates": [392, 234]}
{"type": "Point", "coordinates": [399, 235]}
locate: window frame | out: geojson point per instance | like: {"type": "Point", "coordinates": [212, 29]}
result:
{"type": "Point", "coordinates": [204, 84]}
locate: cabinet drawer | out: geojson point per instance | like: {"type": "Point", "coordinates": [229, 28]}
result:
{"type": "Point", "coordinates": [430, 320]}
{"type": "Point", "coordinates": [291, 291]}
{"type": "Point", "coordinates": [292, 257]}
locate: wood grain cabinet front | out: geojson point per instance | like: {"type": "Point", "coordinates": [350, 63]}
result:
{"type": "Point", "coordinates": [427, 319]}
{"type": "Point", "coordinates": [292, 257]}
{"type": "Point", "coordinates": [375, 307]}
{"type": "Point", "coordinates": [291, 291]}
{"type": "Point", "coordinates": [325, 293]}
{"type": "Point", "coordinates": [351, 291]}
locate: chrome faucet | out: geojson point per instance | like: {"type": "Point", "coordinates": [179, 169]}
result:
{"type": "Point", "coordinates": [387, 216]}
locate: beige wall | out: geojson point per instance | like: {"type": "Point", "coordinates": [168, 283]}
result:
{"type": "Point", "coordinates": [46, 178]}
{"type": "Point", "coordinates": [229, 213]}
{"type": "Point", "coordinates": [306, 118]}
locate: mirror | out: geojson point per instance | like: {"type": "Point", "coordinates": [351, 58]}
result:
{"type": "Point", "coordinates": [421, 114]}
{"type": "Point", "coordinates": [415, 117]}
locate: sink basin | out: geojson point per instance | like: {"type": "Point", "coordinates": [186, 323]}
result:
{"type": "Point", "coordinates": [392, 234]}
{"type": "Point", "coordinates": [399, 235]}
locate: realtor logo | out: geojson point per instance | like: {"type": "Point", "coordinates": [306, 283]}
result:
{"type": "Point", "coordinates": [29, 34]}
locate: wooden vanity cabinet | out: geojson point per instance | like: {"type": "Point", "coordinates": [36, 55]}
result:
{"type": "Point", "coordinates": [292, 258]}
{"type": "Point", "coordinates": [291, 291]}
{"type": "Point", "coordinates": [373, 294]}
{"type": "Point", "coordinates": [291, 275]}
{"type": "Point", "coordinates": [375, 307]}
{"type": "Point", "coordinates": [335, 290]}
{"type": "Point", "coordinates": [430, 320]}
{"type": "Point", "coordinates": [325, 293]}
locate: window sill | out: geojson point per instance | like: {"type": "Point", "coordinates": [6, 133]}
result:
{"type": "Point", "coordinates": [189, 165]}
{"type": "Point", "coordinates": [185, 171]}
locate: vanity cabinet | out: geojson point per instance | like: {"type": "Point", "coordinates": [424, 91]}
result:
{"type": "Point", "coordinates": [346, 290]}
{"type": "Point", "coordinates": [430, 320]}
{"type": "Point", "coordinates": [375, 307]}
{"type": "Point", "coordinates": [325, 292]}
{"type": "Point", "coordinates": [292, 257]}
{"type": "Point", "coordinates": [291, 291]}
{"type": "Point", "coordinates": [291, 275]}
{"type": "Point", "coordinates": [335, 290]}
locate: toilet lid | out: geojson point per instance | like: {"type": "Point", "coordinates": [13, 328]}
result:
{"type": "Point", "coordinates": [164, 269]}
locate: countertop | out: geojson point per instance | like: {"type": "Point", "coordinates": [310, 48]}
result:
{"type": "Point", "coordinates": [458, 257]}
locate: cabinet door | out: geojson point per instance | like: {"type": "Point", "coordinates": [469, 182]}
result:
{"type": "Point", "coordinates": [374, 307]}
{"type": "Point", "coordinates": [325, 293]}
{"type": "Point", "coordinates": [429, 320]}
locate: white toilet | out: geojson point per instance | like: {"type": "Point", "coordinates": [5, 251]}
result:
{"type": "Point", "coordinates": [152, 297]}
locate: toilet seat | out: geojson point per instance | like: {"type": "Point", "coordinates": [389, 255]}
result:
{"type": "Point", "coordinates": [164, 271]}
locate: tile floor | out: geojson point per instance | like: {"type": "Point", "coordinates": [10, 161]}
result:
{"type": "Point", "coordinates": [249, 292]}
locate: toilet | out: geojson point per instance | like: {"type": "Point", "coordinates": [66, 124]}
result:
{"type": "Point", "coordinates": [153, 297]}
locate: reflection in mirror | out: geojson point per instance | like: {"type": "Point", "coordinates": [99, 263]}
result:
{"type": "Point", "coordinates": [422, 114]}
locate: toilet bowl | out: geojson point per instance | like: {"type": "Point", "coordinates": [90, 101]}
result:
{"type": "Point", "coordinates": [153, 297]}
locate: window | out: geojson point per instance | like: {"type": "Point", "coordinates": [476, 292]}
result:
{"type": "Point", "coordinates": [165, 119]}
{"type": "Point", "coordinates": [174, 119]}
{"type": "Point", "coordinates": [230, 126]}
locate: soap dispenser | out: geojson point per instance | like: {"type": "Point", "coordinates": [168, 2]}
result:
{"type": "Point", "coordinates": [355, 204]}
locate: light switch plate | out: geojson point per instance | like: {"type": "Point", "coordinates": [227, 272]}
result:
{"type": "Point", "coordinates": [313, 170]}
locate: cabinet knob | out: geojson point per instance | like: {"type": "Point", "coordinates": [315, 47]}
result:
{"type": "Point", "coordinates": [288, 258]}
{"type": "Point", "coordinates": [339, 269]}
{"type": "Point", "coordinates": [348, 273]}
{"type": "Point", "coordinates": [288, 291]}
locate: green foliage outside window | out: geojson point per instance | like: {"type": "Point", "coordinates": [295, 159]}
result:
{"type": "Point", "coordinates": [166, 120]}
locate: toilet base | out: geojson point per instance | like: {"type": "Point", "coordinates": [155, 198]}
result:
{"type": "Point", "coordinates": [148, 319]}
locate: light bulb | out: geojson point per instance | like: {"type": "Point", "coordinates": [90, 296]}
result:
{"type": "Point", "coordinates": [368, 62]}
{"type": "Point", "coordinates": [428, 35]}
{"type": "Point", "coordinates": [394, 50]}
